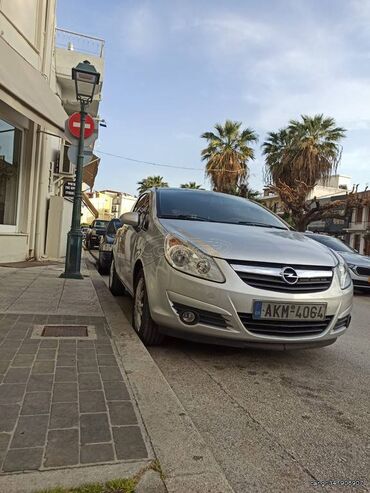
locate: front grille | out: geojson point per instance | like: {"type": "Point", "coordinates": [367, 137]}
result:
{"type": "Point", "coordinates": [363, 271]}
{"type": "Point", "coordinates": [284, 328]}
{"type": "Point", "coordinates": [204, 316]}
{"type": "Point", "coordinates": [268, 276]}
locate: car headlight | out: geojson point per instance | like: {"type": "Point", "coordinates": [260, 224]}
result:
{"type": "Point", "coordinates": [106, 247]}
{"type": "Point", "coordinates": [188, 259]}
{"type": "Point", "coordinates": [344, 275]}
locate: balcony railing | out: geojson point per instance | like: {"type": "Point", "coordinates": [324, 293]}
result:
{"type": "Point", "coordinates": [82, 43]}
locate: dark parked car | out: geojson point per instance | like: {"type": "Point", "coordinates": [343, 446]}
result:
{"type": "Point", "coordinates": [358, 264]}
{"type": "Point", "coordinates": [95, 231]}
{"type": "Point", "coordinates": [106, 245]}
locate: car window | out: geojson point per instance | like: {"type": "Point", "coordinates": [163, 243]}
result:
{"type": "Point", "coordinates": [101, 224]}
{"type": "Point", "coordinates": [199, 205]}
{"type": "Point", "coordinates": [142, 204]}
{"type": "Point", "coordinates": [332, 243]}
{"type": "Point", "coordinates": [113, 226]}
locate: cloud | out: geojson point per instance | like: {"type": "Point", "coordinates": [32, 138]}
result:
{"type": "Point", "coordinates": [140, 30]}
{"type": "Point", "coordinates": [356, 163]}
{"type": "Point", "coordinates": [263, 63]}
{"type": "Point", "coordinates": [232, 33]}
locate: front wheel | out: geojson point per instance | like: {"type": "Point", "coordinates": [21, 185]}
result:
{"type": "Point", "coordinates": [115, 285]}
{"type": "Point", "coordinates": [103, 269]}
{"type": "Point", "coordinates": [142, 321]}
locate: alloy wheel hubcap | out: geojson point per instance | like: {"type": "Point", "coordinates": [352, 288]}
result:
{"type": "Point", "coordinates": [111, 274]}
{"type": "Point", "coordinates": [139, 304]}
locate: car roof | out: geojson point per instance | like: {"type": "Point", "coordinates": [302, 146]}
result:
{"type": "Point", "coordinates": [195, 190]}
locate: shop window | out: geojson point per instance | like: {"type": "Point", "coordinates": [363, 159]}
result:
{"type": "Point", "coordinates": [10, 159]}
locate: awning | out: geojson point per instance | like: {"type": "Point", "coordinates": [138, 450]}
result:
{"type": "Point", "coordinates": [90, 205]}
{"type": "Point", "coordinates": [90, 171]}
{"type": "Point", "coordinates": [25, 89]}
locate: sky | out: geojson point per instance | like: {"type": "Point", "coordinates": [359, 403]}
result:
{"type": "Point", "coordinates": [175, 68]}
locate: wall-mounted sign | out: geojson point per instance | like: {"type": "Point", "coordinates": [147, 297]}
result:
{"type": "Point", "coordinates": [69, 188]}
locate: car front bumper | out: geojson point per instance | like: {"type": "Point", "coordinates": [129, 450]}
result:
{"type": "Point", "coordinates": [232, 300]}
{"type": "Point", "coordinates": [362, 282]}
{"type": "Point", "coordinates": [94, 240]}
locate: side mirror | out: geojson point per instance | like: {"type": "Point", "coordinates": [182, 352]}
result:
{"type": "Point", "coordinates": [130, 218]}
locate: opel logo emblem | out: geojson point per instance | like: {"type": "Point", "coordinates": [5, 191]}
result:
{"type": "Point", "coordinates": [289, 275]}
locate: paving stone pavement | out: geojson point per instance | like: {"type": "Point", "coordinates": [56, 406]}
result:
{"type": "Point", "coordinates": [62, 402]}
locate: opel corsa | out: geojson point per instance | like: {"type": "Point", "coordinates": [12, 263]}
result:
{"type": "Point", "coordinates": [217, 268]}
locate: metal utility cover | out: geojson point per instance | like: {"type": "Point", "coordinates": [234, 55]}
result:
{"type": "Point", "coordinates": [65, 331]}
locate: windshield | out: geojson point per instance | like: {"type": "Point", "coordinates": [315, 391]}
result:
{"type": "Point", "coordinates": [196, 205]}
{"type": "Point", "coordinates": [100, 224]}
{"type": "Point", "coordinates": [332, 243]}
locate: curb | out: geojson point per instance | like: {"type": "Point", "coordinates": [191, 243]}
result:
{"type": "Point", "coordinates": [186, 462]}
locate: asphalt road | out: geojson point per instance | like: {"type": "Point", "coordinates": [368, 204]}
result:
{"type": "Point", "coordinates": [277, 421]}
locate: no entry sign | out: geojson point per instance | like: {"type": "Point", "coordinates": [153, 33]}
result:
{"type": "Point", "coordinates": [74, 125]}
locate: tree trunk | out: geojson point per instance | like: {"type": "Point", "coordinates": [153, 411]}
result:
{"type": "Point", "coordinates": [301, 223]}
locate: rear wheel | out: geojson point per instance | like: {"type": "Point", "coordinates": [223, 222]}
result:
{"type": "Point", "coordinates": [142, 321]}
{"type": "Point", "coordinates": [103, 269]}
{"type": "Point", "coordinates": [115, 285]}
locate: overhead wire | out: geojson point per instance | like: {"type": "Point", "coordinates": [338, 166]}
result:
{"type": "Point", "coordinates": [151, 163]}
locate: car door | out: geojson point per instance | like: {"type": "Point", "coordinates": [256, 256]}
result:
{"type": "Point", "coordinates": [128, 240]}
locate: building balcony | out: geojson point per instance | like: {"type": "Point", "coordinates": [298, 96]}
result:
{"type": "Point", "coordinates": [363, 226]}
{"type": "Point", "coordinates": [70, 49]}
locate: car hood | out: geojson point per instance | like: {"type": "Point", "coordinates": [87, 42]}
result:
{"type": "Point", "coordinates": [355, 258]}
{"type": "Point", "coordinates": [239, 242]}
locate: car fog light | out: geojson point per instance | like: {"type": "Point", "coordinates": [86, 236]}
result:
{"type": "Point", "coordinates": [189, 317]}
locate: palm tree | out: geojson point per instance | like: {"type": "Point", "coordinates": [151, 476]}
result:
{"type": "Point", "coordinates": [275, 149]}
{"type": "Point", "coordinates": [150, 182]}
{"type": "Point", "coordinates": [227, 155]}
{"type": "Point", "coordinates": [306, 151]}
{"type": "Point", "coordinates": [191, 184]}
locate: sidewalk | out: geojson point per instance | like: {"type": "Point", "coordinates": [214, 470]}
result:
{"type": "Point", "coordinates": [96, 406]}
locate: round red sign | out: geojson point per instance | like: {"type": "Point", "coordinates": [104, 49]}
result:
{"type": "Point", "coordinates": [74, 125]}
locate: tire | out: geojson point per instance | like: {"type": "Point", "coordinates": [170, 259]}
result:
{"type": "Point", "coordinates": [103, 269]}
{"type": "Point", "coordinates": [115, 285]}
{"type": "Point", "coordinates": [142, 321]}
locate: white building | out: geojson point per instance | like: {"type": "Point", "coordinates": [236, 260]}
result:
{"type": "Point", "coordinates": [106, 204]}
{"type": "Point", "coordinates": [36, 97]}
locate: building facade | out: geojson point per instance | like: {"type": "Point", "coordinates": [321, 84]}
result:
{"type": "Point", "coordinates": [34, 104]}
{"type": "Point", "coordinates": [359, 227]}
{"type": "Point", "coordinates": [108, 204]}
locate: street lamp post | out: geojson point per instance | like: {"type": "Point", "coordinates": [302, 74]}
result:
{"type": "Point", "coordinates": [86, 78]}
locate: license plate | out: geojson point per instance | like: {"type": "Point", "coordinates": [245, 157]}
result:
{"type": "Point", "coordinates": [266, 310]}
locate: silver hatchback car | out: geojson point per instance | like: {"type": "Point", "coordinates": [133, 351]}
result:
{"type": "Point", "coordinates": [217, 268]}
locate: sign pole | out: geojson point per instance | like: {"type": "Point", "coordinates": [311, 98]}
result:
{"type": "Point", "coordinates": [74, 241]}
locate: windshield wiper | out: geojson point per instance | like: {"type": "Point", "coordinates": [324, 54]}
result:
{"type": "Point", "coordinates": [260, 225]}
{"type": "Point", "coordinates": [186, 217]}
